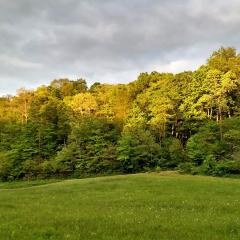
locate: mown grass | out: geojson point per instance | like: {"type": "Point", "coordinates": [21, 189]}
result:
{"type": "Point", "coordinates": [142, 206]}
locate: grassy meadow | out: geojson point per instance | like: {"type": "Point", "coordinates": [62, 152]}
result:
{"type": "Point", "coordinates": [134, 207]}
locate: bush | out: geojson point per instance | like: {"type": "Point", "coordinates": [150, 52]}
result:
{"type": "Point", "coordinates": [207, 143]}
{"type": "Point", "coordinates": [228, 167]}
{"type": "Point", "coordinates": [66, 159]}
{"type": "Point", "coordinates": [30, 168]}
{"type": "Point", "coordinates": [47, 169]}
{"type": "Point", "coordinates": [208, 166]}
{"type": "Point", "coordinates": [188, 167]}
{"type": "Point", "coordinates": [6, 167]}
{"type": "Point", "coordinates": [137, 151]}
{"type": "Point", "coordinates": [171, 153]}
{"type": "Point", "coordinates": [158, 169]}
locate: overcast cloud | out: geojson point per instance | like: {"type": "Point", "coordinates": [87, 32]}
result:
{"type": "Point", "coordinates": [109, 40]}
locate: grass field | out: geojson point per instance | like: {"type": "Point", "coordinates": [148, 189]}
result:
{"type": "Point", "coordinates": [134, 207]}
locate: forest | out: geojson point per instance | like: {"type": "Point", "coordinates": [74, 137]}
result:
{"type": "Point", "coordinates": [187, 121]}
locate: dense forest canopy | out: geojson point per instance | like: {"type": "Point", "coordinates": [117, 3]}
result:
{"type": "Point", "coordinates": [188, 121]}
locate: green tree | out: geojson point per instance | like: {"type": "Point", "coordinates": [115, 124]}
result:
{"type": "Point", "coordinates": [137, 151]}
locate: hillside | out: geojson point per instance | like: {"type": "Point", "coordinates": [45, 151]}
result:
{"type": "Point", "coordinates": [136, 207]}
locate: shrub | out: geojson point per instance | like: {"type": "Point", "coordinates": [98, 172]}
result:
{"type": "Point", "coordinates": [188, 167]}
{"type": "Point", "coordinates": [30, 168]}
{"type": "Point", "coordinates": [6, 167]}
{"type": "Point", "coordinates": [207, 143]}
{"type": "Point", "coordinates": [65, 161]}
{"type": "Point", "coordinates": [208, 166]}
{"type": "Point", "coordinates": [158, 169]}
{"type": "Point", "coordinates": [227, 167]}
{"type": "Point", "coordinates": [137, 150]}
{"type": "Point", "coordinates": [47, 169]}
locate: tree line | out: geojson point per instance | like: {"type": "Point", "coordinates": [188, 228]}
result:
{"type": "Point", "coordinates": [187, 121]}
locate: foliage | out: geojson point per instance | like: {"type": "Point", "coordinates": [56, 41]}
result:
{"type": "Point", "coordinates": [137, 151]}
{"type": "Point", "coordinates": [188, 120]}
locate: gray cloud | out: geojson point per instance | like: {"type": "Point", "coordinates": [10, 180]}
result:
{"type": "Point", "coordinates": [111, 40]}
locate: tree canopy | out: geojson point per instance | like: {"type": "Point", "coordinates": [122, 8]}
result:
{"type": "Point", "coordinates": [188, 121]}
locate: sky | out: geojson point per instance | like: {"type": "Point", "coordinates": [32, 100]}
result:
{"type": "Point", "coordinates": [109, 41]}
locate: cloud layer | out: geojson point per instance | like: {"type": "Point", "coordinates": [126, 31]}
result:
{"type": "Point", "coordinates": [111, 40]}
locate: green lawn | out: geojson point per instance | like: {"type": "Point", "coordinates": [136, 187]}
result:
{"type": "Point", "coordinates": [134, 207]}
